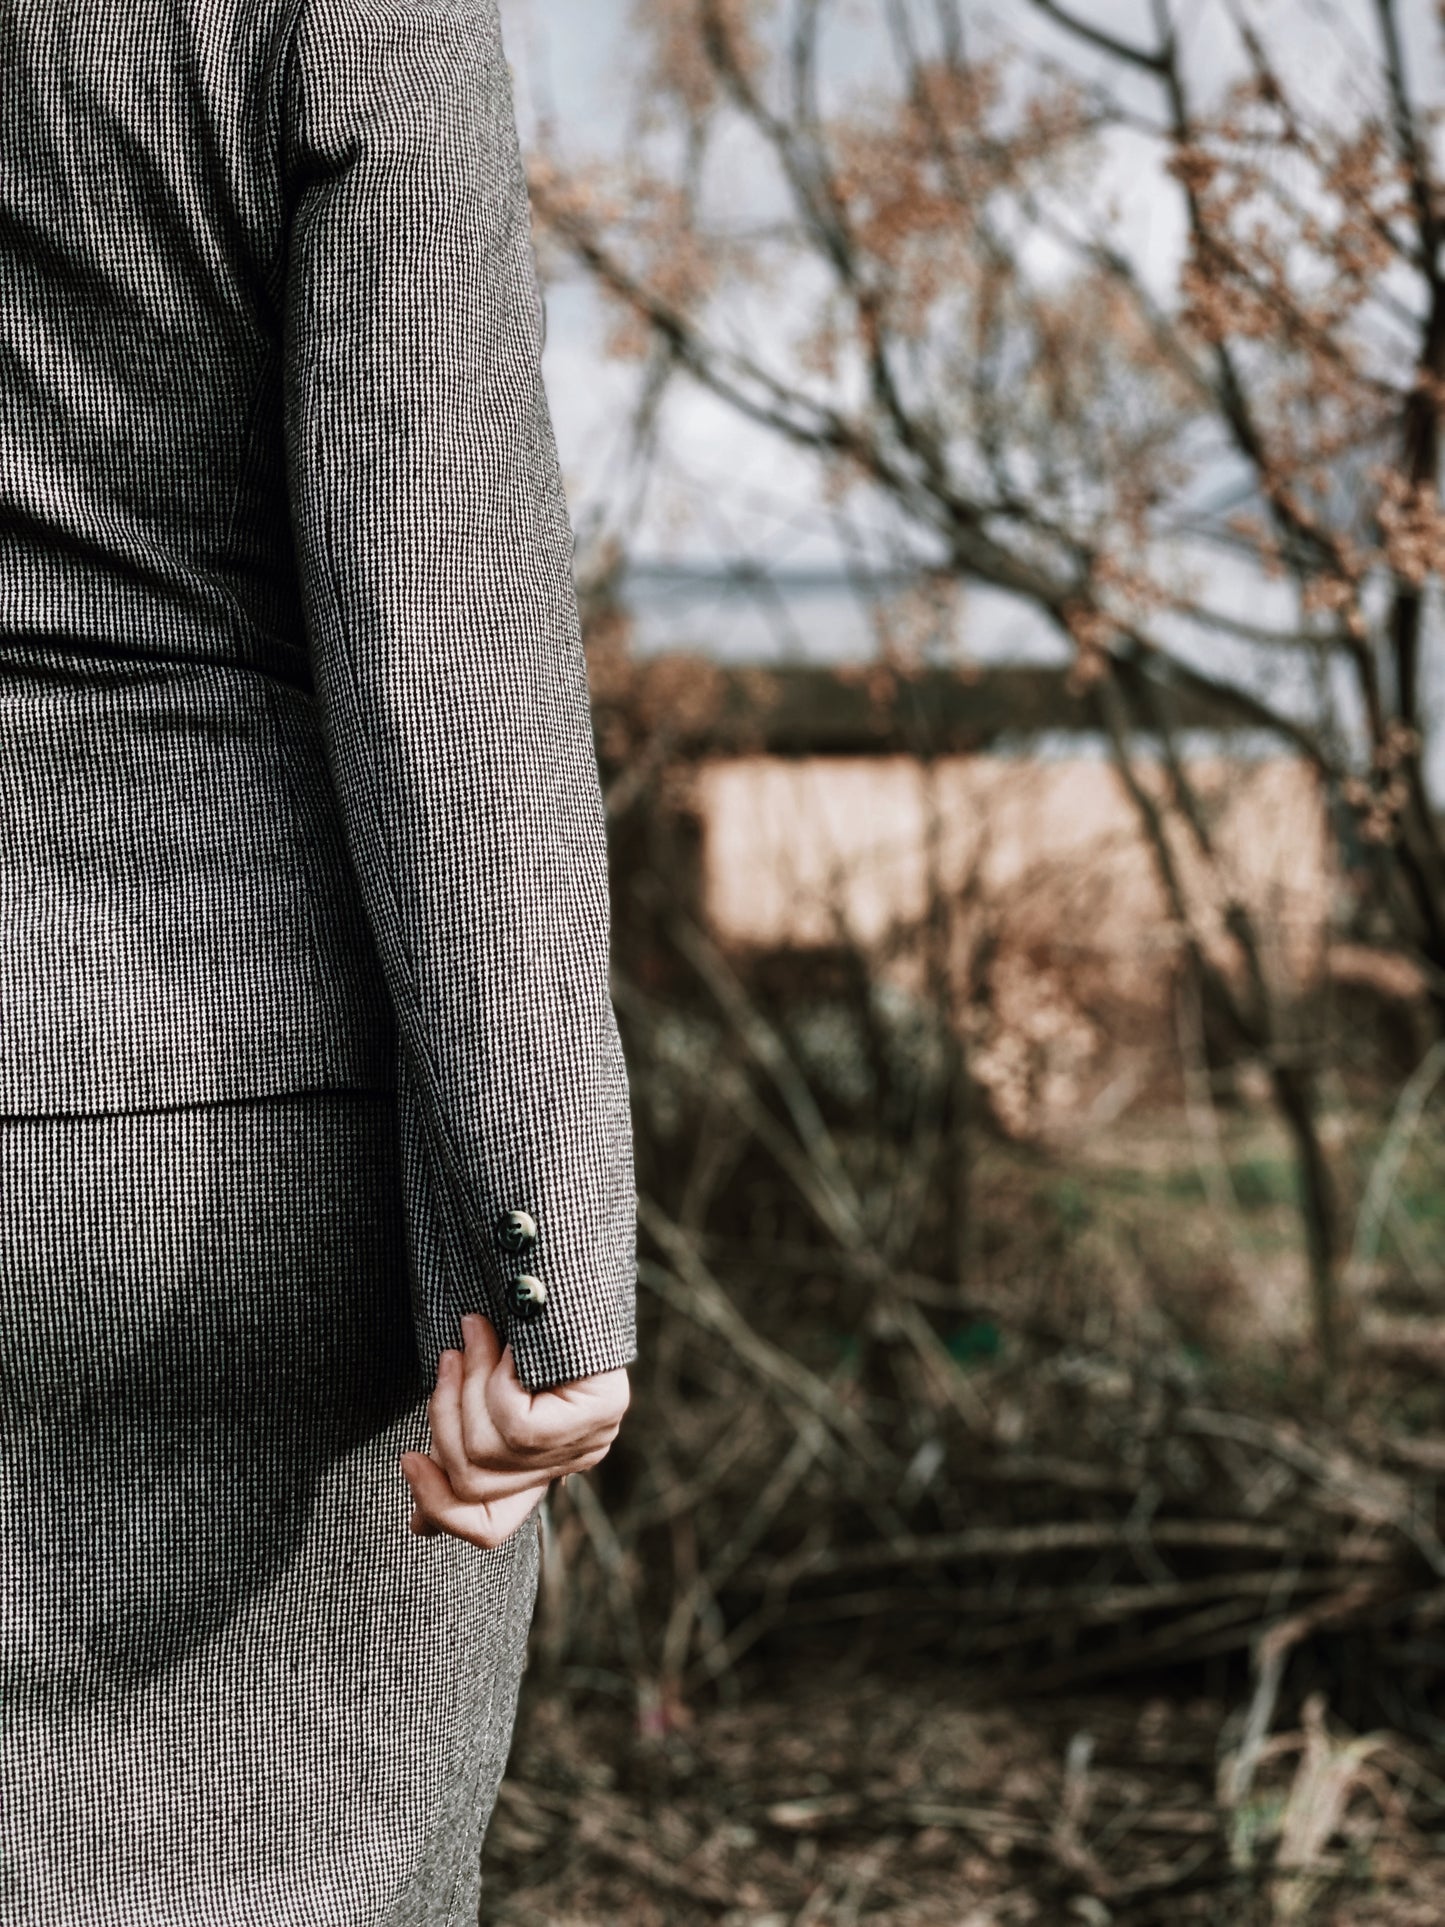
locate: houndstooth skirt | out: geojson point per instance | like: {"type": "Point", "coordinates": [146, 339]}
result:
{"type": "Point", "coordinates": [236, 1689]}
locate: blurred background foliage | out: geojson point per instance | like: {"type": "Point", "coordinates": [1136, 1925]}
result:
{"type": "Point", "coordinates": [1030, 1504]}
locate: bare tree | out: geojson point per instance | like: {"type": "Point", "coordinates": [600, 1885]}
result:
{"type": "Point", "coordinates": [1226, 487]}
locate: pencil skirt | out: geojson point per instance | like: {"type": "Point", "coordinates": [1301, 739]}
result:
{"type": "Point", "coordinates": [236, 1689]}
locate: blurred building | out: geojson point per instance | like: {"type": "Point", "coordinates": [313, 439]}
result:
{"type": "Point", "coordinates": [837, 811]}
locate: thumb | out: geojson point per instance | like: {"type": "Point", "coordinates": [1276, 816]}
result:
{"type": "Point", "coordinates": [431, 1490]}
{"type": "Point", "coordinates": [482, 1348]}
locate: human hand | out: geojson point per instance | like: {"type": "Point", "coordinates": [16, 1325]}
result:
{"type": "Point", "coordinates": [496, 1447]}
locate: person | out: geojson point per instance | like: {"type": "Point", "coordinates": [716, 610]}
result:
{"type": "Point", "coordinates": [317, 1202]}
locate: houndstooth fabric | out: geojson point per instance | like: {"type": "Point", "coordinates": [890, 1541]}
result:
{"type": "Point", "coordinates": [237, 1692]}
{"type": "Point", "coordinates": [303, 946]}
{"type": "Point", "coordinates": [296, 737]}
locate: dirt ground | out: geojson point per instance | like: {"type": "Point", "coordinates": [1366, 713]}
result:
{"type": "Point", "coordinates": [910, 1802]}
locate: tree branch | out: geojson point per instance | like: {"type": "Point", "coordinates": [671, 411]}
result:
{"type": "Point", "coordinates": [1422, 191]}
{"type": "Point", "coordinates": [1150, 60]}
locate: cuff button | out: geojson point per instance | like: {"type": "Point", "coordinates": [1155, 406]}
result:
{"type": "Point", "coordinates": [529, 1296]}
{"type": "Point", "coordinates": [517, 1229]}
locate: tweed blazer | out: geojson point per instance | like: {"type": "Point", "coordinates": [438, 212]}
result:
{"type": "Point", "coordinates": [297, 780]}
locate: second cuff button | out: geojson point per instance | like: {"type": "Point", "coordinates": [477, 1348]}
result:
{"type": "Point", "coordinates": [529, 1295]}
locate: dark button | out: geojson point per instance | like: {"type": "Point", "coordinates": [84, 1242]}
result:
{"type": "Point", "coordinates": [517, 1229]}
{"type": "Point", "coordinates": [529, 1296]}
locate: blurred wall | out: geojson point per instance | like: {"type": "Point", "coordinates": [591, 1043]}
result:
{"type": "Point", "coordinates": [1063, 954]}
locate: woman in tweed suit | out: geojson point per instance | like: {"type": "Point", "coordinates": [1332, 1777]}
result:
{"type": "Point", "coordinates": [306, 1050]}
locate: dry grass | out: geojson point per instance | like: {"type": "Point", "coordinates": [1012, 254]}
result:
{"type": "Point", "coordinates": [1062, 1605]}
{"type": "Point", "coordinates": [910, 1801]}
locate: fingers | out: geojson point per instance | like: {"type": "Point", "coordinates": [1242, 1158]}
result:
{"type": "Point", "coordinates": [428, 1488]}
{"type": "Point", "coordinates": [477, 1486]}
{"type": "Point", "coordinates": [536, 1425]}
{"type": "Point", "coordinates": [477, 1467]}
{"type": "Point", "coordinates": [484, 1522]}
{"type": "Point", "coordinates": [496, 1447]}
{"type": "Point", "coordinates": [505, 1426]}
{"type": "Point", "coordinates": [482, 1348]}
{"type": "Point", "coordinates": [486, 1366]}
{"type": "Point", "coordinates": [444, 1416]}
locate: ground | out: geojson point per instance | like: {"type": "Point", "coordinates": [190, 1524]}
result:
{"type": "Point", "coordinates": [912, 1802]}
{"type": "Point", "coordinates": [1125, 1281]}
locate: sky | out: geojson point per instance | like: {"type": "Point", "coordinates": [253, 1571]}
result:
{"type": "Point", "coordinates": [723, 490]}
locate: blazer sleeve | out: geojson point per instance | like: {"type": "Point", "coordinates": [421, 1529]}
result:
{"type": "Point", "coordinates": [434, 551]}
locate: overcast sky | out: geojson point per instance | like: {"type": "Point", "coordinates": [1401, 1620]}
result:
{"type": "Point", "coordinates": [723, 490]}
{"type": "Point", "coordinates": [726, 488]}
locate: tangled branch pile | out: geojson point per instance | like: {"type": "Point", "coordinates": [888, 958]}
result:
{"type": "Point", "coordinates": [1059, 1514]}
{"type": "Point", "coordinates": [971, 1593]}
{"type": "Point", "coordinates": [873, 1413]}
